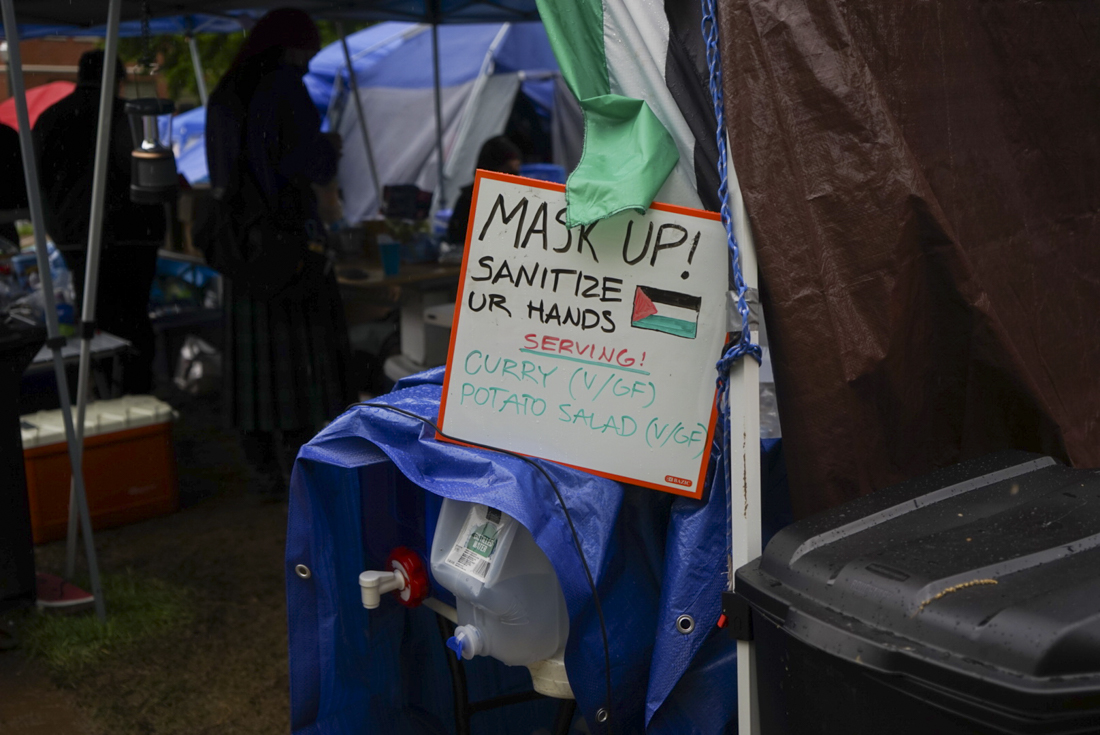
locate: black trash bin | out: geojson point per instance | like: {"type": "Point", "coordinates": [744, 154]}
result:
{"type": "Point", "coordinates": [19, 343]}
{"type": "Point", "coordinates": [967, 601]}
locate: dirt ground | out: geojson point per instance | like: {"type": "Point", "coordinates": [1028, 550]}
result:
{"type": "Point", "coordinates": [224, 668]}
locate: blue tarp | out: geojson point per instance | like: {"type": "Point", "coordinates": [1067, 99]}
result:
{"type": "Point", "coordinates": [358, 490]}
{"type": "Point", "coordinates": [189, 144]}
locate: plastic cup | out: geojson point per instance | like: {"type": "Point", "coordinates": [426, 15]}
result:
{"type": "Point", "coordinates": [391, 257]}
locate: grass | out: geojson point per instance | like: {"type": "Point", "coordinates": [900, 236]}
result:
{"type": "Point", "coordinates": [196, 638]}
{"type": "Point", "coordinates": [139, 609]}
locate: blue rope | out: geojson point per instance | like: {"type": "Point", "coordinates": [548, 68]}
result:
{"type": "Point", "coordinates": [744, 345]}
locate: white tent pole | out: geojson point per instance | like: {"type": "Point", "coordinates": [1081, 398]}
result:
{"type": "Point", "coordinates": [438, 108]}
{"type": "Point", "coordinates": [196, 62]}
{"type": "Point", "coordinates": [360, 115]}
{"type": "Point", "coordinates": [744, 449]}
{"type": "Point", "coordinates": [107, 92]}
{"type": "Point", "coordinates": [55, 342]}
{"type": "Point", "coordinates": [487, 66]}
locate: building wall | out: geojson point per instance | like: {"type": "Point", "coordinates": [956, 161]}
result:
{"type": "Point", "coordinates": [48, 60]}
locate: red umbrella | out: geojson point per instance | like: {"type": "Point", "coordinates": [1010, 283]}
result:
{"type": "Point", "coordinates": [38, 99]}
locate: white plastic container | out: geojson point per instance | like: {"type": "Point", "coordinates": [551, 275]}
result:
{"type": "Point", "coordinates": [509, 602]}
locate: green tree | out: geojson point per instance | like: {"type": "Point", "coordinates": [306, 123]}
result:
{"type": "Point", "coordinates": [216, 51]}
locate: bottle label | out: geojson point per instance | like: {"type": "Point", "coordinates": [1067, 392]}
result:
{"type": "Point", "coordinates": [473, 552]}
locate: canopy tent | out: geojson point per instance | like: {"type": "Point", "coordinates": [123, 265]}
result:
{"type": "Point", "coordinates": [484, 67]}
{"type": "Point", "coordinates": [183, 25]}
{"type": "Point", "coordinates": [32, 15]}
{"type": "Point", "coordinates": [90, 13]}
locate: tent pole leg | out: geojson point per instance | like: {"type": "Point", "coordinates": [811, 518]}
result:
{"type": "Point", "coordinates": [438, 110]}
{"type": "Point", "coordinates": [744, 449]}
{"type": "Point", "coordinates": [360, 115]}
{"type": "Point", "coordinates": [196, 62]}
{"type": "Point", "coordinates": [34, 195]}
{"type": "Point", "coordinates": [95, 246]}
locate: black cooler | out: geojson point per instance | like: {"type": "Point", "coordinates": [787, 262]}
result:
{"type": "Point", "coordinates": [967, 601]}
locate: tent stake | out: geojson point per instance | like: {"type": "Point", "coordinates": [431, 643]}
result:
{"type": "Point", "coordinates": [56, 342]}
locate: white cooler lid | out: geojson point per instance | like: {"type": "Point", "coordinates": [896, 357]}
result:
{"type": "Point", "coordinates": [100, 417]}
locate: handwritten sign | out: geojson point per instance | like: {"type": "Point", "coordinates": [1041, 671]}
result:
{"type": "Point", "coordinates": [593, 347]}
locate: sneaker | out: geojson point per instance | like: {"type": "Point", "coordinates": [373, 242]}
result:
{"type": "Point", "coordinates": [54, 593]}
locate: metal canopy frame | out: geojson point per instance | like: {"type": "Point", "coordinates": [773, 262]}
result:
{"type": "Point", "coordinates": [78, 501]}
{"type": "Point", "coordinates": [90, 13]}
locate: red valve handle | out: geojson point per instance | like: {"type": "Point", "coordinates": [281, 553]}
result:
{"type": "Point", "coordinates": [417, 587]}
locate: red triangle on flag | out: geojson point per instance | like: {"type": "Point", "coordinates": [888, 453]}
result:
{"type": "Point", "coordinates": [643, 306]}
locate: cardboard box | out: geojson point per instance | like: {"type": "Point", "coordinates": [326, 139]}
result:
{"type": "Point", "coordinates": [129, 464]}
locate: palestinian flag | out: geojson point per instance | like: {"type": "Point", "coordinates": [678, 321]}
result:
{"type": "Point", "coordinates": [670, 312]}
{"type": "Point", "coordinates": [642, 82]}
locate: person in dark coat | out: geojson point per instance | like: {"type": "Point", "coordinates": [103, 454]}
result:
{"type": "Point", "coordinates": [497, 154]}
{"type": "Point", "coordinates": [13, 187]}
{"type": "Point", "coordinates": [286, 353]}
{"type": "Point", "coordinates": [65, 138]}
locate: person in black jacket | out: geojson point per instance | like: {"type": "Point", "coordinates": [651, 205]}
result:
{"type": "Point", "coordinates": [65, 137]}
{"type": "Point", "coordinates": [497, 154]}
{"type": "Point", "coordinates": [13, 187]}
{"type": "Point", "coordinates": [286, 343]}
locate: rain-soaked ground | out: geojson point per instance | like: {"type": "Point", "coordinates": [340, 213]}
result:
{"type": "Point", "coordinates": [217, 661]}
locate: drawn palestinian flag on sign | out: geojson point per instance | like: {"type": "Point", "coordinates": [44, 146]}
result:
{"type": "Point", "coordinates": [641, 78]}
{"type": "Point", "coordinates": [670, 312]}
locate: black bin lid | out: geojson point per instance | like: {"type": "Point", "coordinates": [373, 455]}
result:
{"type": "Point", "coordinates": [983, 577]}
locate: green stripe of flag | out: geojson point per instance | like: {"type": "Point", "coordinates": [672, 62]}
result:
{"type": "Point", "coordinates": [685, 328]}
{"type": "Point", "coordinates": [628, 153]}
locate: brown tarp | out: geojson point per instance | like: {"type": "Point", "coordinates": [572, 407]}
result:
{"type": "Point", "coordinates": [923, 181]}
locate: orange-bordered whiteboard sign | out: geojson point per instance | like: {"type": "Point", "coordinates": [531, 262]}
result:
{"type": "Point", "coordinates": [593, 347]}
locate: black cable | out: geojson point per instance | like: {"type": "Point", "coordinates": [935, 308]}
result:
{"type": "Point", "coordinates": [568, 520]}
{"type": "Point", "coordinates": [458, 679]}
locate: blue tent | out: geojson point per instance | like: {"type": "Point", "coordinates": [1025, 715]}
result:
{"type": "Point", "coordinates": [394, 72]}
{"type": "Point", "coordinates": [483, 67]}
{"type": "Point", "coordinates": [189, 145]}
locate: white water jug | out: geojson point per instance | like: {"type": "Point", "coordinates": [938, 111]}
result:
{"type": "Point", "coordinates": [509, 603]}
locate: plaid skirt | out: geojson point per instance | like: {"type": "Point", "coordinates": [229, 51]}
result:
{"type": "Point", "coordinates": [285, 362]}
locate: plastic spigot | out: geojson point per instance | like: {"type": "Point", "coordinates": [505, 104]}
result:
{"type": "Point", "coordinates": [408, 577]}
{"type": "Point", "coordinates": [374, 584]}
{"type": "Point", "coordinates": [466, 642]}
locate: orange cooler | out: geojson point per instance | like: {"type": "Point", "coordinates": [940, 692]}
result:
{"type": "Point", "coordinates": [129, 464]}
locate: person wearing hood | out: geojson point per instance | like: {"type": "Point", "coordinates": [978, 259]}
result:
{"type": "Point", "coordinates": [286, 346]}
